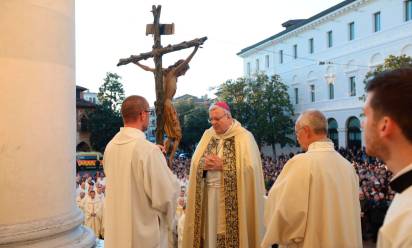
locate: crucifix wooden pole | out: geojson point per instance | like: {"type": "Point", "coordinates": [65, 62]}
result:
{"type": "Point", "coordinates": [158, 76]}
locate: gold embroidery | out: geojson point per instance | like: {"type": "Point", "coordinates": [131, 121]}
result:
{"type": "Point", "coordinates": [230, 189]}
{"type": "Point", "coordinates": [231, 239]}
{"type": "Point", "coordinates": [220, 240]}
{"type": "Point", "coordinates": [199, 195]}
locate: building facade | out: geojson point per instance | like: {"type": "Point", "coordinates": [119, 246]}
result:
{"type": "Point", "coordinates": [83, 108]}
{"type": "Point", "coordinates": [90, 97]}
{"type": "Point", "coordinates": [324, 59]}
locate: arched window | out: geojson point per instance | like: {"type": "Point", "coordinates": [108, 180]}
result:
{"type": "Point", "coordinates": [333, 131]}
{"type": "Point", "coordinates": [354, 136]}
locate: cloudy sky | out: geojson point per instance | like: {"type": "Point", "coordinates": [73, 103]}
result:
{"type": "Point", "coordinates": [107, 30]}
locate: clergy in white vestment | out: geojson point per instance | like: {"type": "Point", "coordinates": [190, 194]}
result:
{"type": "Point", "coordinates": [180, 228]}
{"type": "Point", "coordinates": [315, 200]}
{"type": "Point", "coordinates": [173, 233]}
{"type": "Point", "coordinates": [102, 213]}
{"type": "Point", "coordinates": [141, 190]}
{"type": "Point", "coordinates": [80, 199]}
{"type": "Point", "coordinates": [99, 193]}
{"type": "Point", "coordinates": [226, 187]}
{"type": "Point", "coordinates": [93, 214]}
{"type": "Point", "coordinates": [101, 180]}
{"type": "Point", "coordinates": [90, 184]}
{"type": "Point", "coordinates": [81, 188]}
{"type": "Point", "coordinates": [388, 135]}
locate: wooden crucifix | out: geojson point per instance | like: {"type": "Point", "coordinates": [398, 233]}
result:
{"type": "Point", "coordinates": [165, 80]}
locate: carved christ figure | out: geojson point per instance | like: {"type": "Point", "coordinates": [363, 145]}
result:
{"type": "Point", "coordinates": [171, 121]}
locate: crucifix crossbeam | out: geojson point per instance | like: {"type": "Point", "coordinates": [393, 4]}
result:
{"type": "Point", "coordinates": [163, 50]}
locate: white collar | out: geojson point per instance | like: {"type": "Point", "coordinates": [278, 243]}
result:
{"type": "Point", "coordinates": [403, 171]}
{"type": "Point", "coordinates": [134, 132]}
{"type": "Point", "coordinates": [321, 145]}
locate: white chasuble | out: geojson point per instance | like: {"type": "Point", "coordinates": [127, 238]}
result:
{"type": "Point", "coordinates": [314, 202]}
{"type": "Point", "coordinates": [141, 193]}
{"type": "Point", "coordinates": [225, 208]}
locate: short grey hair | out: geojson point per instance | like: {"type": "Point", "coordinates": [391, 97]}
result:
{"type": "Point", "coordinates": [213, 106]}
{"type": "Point", "coordinates": [314, 119]}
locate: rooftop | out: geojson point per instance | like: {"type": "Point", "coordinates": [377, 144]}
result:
{"type": "Point", "coordinates": [297, 23]}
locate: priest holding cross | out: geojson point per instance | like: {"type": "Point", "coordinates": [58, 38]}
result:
{"type": "Point", "coordinates": [141, 189]}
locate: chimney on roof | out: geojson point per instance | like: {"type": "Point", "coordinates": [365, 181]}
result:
{"type": "Point", "coordinates": [291, 23]}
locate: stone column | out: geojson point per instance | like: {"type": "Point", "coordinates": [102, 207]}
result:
{"type": "Point", "coordinates": [37, 126]}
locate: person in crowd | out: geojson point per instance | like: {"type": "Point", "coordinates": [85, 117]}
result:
{"type": "Point", "coordinates": [99, 193]}
{"type": "Point", "coordinates": [80, 200]}
{"type": "Point", "coordinates": [93, 214]}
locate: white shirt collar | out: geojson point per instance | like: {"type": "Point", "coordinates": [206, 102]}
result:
{"type": "Point", "coordinates": [324, 145]}
{"type": "Point", "coordinates": [403, 171]}
{"type": "Point", "coordinates": [135, 132]}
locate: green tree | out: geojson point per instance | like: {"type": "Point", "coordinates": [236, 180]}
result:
{"type": "Point", "coordinates": [263, 106]}
{"type": "Point", "coordinates": [279, 112]}
{"type": "Point", "coordinates": [103, 124]}
{"type": "Point", "coordinates": [105, 121]}
{"type": "Point", "coordinates": [182, 108]}
{"type": "Point", "coordinates": [194, 125]}
{"type": "Point", "coordinates": [193, 121]}
{"type": "Point", "coordinates": [235, 93]}
{"type": "Point", "coordinates": [111, 92]}
{"type": "Point", "coordinates": [391, 62]}
{"type": "Point", "coordinates": [256, 120]}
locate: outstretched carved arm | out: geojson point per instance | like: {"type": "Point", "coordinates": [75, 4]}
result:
{"type": "Point", "coordinates": [183, 65]}
{"type": "Point", "coordinates": [144, 67]}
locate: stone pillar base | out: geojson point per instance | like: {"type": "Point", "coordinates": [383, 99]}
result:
{"type": "Point", "coordinates": [60, 231]}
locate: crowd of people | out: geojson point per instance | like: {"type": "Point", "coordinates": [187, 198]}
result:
{"type": "Point", "coordinates": [375, 195]}
{"type": "Point", "coordinates": [90, 194]}
{"type": "Point", "coordinates": [181, 168]}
